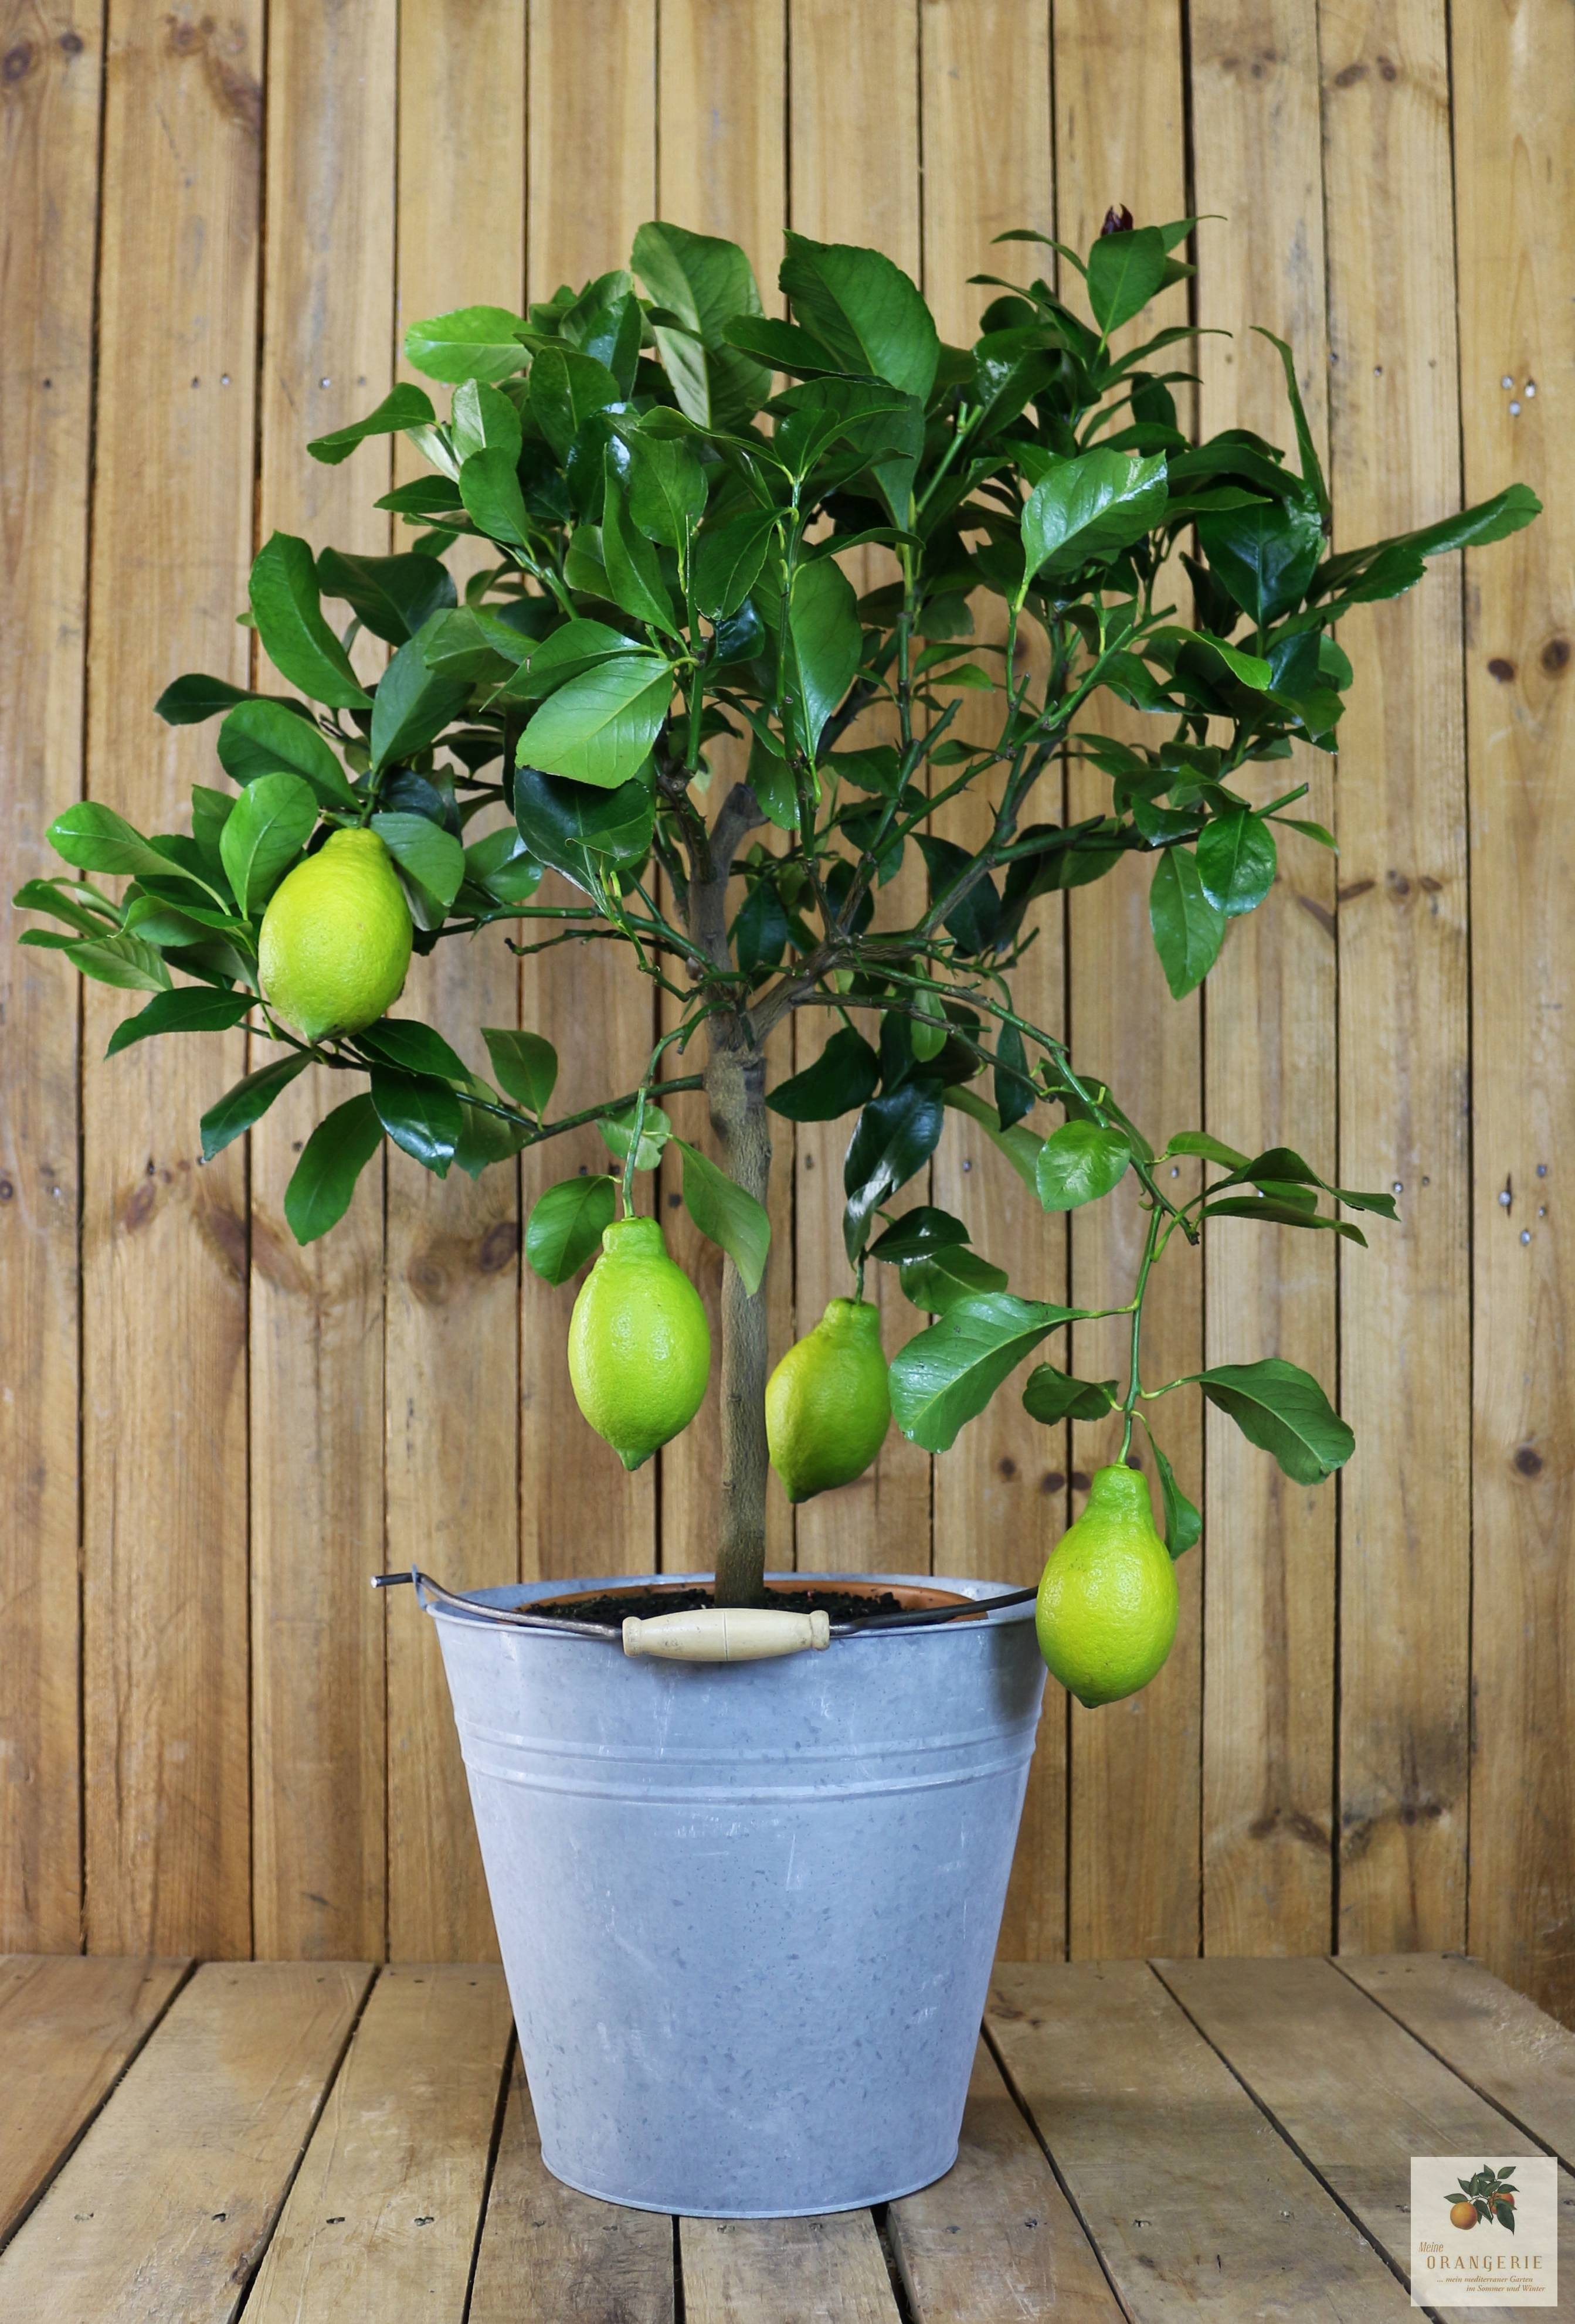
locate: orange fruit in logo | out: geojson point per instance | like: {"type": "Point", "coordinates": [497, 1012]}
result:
{"type": "Point", "coordinates": [1463, 2215]}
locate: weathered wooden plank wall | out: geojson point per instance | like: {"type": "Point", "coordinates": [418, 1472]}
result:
{"type": "Point", "coordinates": [213, 227]}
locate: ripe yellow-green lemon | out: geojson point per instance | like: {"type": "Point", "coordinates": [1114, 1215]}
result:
{"type": "Point", "coordinates": [1107, 1601]}
{"type": "Point", "coordinates": [639, 1345]}
{"type": "Point", "coordinates": [828, 1404]}
{"type": "Point", "coordinates": [336, 937]}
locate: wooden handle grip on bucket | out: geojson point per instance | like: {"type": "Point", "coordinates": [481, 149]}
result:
{"type": "Point", "coordinates": [726, 1634]}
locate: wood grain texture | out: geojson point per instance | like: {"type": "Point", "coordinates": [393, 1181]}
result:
{"type": "Point", "coordinates": [1270, 1031]}
{"type": "Point", "coordinates": [1358, 2097]}
{"type": "Point", "coordinates": [592, 151]}
{"type": "Point", "coordinates": [1000, 1494]}
{"type": "Point", "coordinates": [68, 2026]}
{"type": "Point", "coordinates": [1404, 1093]}
{"type": "Point", "coordinates": [49, 124]}
{"type": "Point", "coordinates": [164, 2208]}
{"type": "Point", "coordinates": [723, 171]}
{"type": "Point", "coordinates": [854, 176]}
{"type": "Point", "coordinates": [317, 1708]}
{"type": "Point", "coordinates": [996, 2237]}
{"type": "Point", "coordinates": [1520, 2059]}
{"type": "Point", "coordinates": [382, 2216]}
{"type": "Point", "coordinates": [452, 1390]}
{"type": "Point", "coordinates": [165, 1242]}
{"type": "Point", "coordinates": [547, 2253]}
{"type": "Point", "coordinates": [1120, 114]}
{"type": "Point", "coordinates": [1192, 2198]}
{"type": "Point", "coordinates": [817, 2271]}
{"type": "Point", "coordinates": [1514, 162]}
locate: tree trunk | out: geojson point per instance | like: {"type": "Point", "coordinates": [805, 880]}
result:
{"type": "Point", "coordinates": [736, 1091]}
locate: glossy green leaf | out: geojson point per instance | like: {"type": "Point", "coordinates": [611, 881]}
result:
{"type": "Point", "coordinates": [946, 1377]}
{"type": "Point", "coordinates": [483, 419]}
{"type": "Point", "coordinates": [288, 612]}
{"type": "Point", "coordinates": [1080, 1162]}
{"type": "Point", "coordinates": [1283, 1410]}
{"type": "Point", "coordinates": [185, 1008]}
{"type": "Point", "coordinates": [895, 1136]}
{"type": "Point", "coordinates": [489, 486]}
{"type": "Point", "coordinates": [526, 1065]}
{"type": "Point", "coordinates": [333, 1157]}
{"type": "Point", "coordinates": [599, 728]}
{"type": "Point", "coordinates": [845, 1074]}
{"type": "Point", "coordinates": [414, 704]}
{"type": "Point", "coordinates": [1188, 929]}
{"type": "Point", "coordinates": [247, 1101]}
{"type": "Point", "coordinates": [566, 1224]}
{"type": "Point", "coordinates": [566, 389]}
{"type": "Point", "coordinates": [827, 642]}
{"type": "Point", "coordinates": [633, 570]}
{"type": "Point", "coordinates": [617, 1132]}
{"type": "Point", "coordinates": [1090, 506]}
{"type": "Point", "coordinates": [703, 282]}
{"type": "Point", "coordinates": [263, 738]}
{"type": "Point", "coordinates": [1183, 1520]}
{"type": "Point", "coordinates": [415, 1048]}
{"type": "Point", "coordinates": [919, 1233]}
{"type": "Point", "coordinates": [1124, 271]}
{"type": "Point", "coordinates": [864, 309]}
{"type": "Point", "coordinates": [1211, 1149]}
{"type": "Point", "coordinates": [1020, 1145]}
{"type": "Point", "coordinates": [430, 856]}
{"type": "Point", "coordinates": [1237, 861]}
{"type": "Point", "coordinates": [471, 343]}
{"type": "Point", "coordinates": [578, 830]}
{"type": "Point", "coordinates": [728, 558]}
{"type": "Point", "coordinates": [126, 962]}
{"type": "Point", "coordinates": [1266, 555]}
{"type": "Point", "coordinates": [726, 1214]}
{"type": "Point", "coordinates": [939, 1281]}
{"type": "Point", "coordinates": [266, 830]}
{"type": "Point", "coordinates": [666, 488]}
{"type": "Point", "coordinates": [408, 406]}
{"type": "Point", "coordinates": [1051, 1396]}
{"type": "Point", "coordinates": [188, 701]}
{"type": "Point", "coordinates": [422, 1115]}
{"type": "Point", "coordinates": [392, 596]}
{"type": "Point", "coordinates": [94, 838]}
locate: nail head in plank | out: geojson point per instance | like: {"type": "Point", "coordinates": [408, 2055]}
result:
{"type": "Point", "coordinates": [68, 2026]}
{"type": "Point", "coordinates": [1190, 2196]}
{"type": "Point", "coordinates": [164, 2208]}
{"type": "Point", "coordinates": [382, 2217]}
{"type": "Point", "coordinates": [996, 2237]}
{"type": "Point", "coordinates": [824, 2269]}
{"type": "Point", "coordinates": [1351, 2088]}
{"type": "Point", "coordinates": [1502, 2044]}
{"type": "Point", "coordinates": [547, 2252]}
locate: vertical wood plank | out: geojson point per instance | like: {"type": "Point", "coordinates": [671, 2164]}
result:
{"type": "Point", "coordinates": [318, 1872]}
{"type": "Point", "coordinates": [1515, 159]}
{"type": "Point", "coordinates": [1120, 137]}
{"type": "Point", "coordinates": [1000, 1492]}
{"type": "Point", "coordinates": [1405, 1086]}
{"type": "Point", "coordinates": [452, 1398]}
{"type": "Point", "coordinates": [49, 125]}
{"type": "Point", "coordinates": [1269, 1009]}
{"type": "Point", "coordinates": [592, 182]}
{"type": "Point", "coordinates": [722, 102]}
{"type": "Point", "coordinates": [165, 1242]}
{"type": "Point", "coordinates": [853, 169]}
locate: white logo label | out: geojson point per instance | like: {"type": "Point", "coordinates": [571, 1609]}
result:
{"type": "Point", "coordinates": [1483, 2231]}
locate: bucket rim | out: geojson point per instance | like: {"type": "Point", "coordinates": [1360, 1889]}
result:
{"type": "Point", "coordinates": [507, 1605]}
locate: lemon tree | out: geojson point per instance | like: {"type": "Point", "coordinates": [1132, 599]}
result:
{"type": "Point", "coordinates": [659, 712]}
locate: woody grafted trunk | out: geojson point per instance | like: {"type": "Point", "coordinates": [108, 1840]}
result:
{"type": "Point", "coordinates": [736, 1091]}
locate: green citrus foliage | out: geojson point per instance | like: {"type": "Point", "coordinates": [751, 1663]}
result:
{"type": "Point", "coordinates": [652, 534]}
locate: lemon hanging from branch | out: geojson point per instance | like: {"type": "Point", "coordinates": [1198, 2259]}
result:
{"type": "Point", "coordinates": [639, 1344]}
{"type": "Point", "coordinates": [828, 1404]}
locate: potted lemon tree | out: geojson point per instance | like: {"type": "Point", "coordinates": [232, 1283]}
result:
{"type": "Point", "coordinates": [748, 1872]}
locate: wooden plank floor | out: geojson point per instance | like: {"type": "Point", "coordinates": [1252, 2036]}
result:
{"type": "Point", "coordinates": [320, 2142]}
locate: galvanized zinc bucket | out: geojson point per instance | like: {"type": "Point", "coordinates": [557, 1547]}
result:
{"type": "Point", "coordinates": [748, 1911]}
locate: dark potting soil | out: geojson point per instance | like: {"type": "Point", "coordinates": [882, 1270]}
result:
{"type": "Point", "coordinates": [610, 1609]}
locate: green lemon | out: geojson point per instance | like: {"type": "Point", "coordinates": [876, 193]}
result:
{"type": "Point", "coordinates": [336, 938]}
{"type": "Point", "coordinates": [1107, 1601]}
{"type": "Point", "coordinates": [828, 1404]}
{"type": "Point", "coordinates": [639, 1344]}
